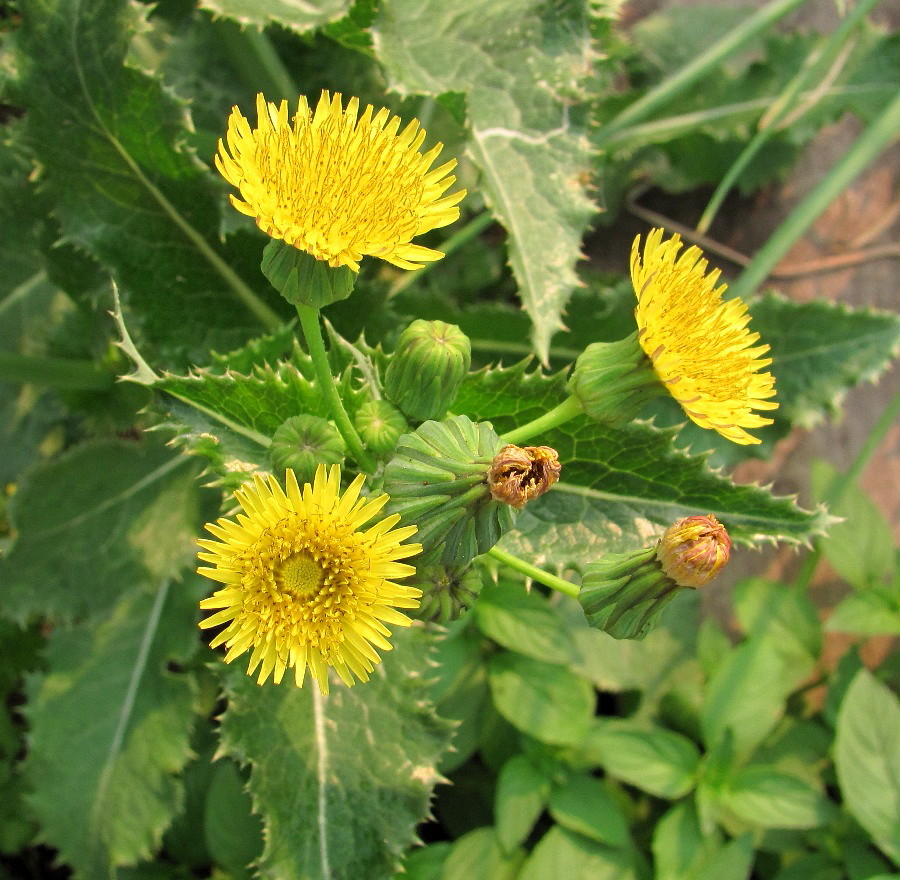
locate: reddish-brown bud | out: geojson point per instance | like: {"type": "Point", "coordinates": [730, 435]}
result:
{"type": "Point", "coordinates": [694, 550]}
{"type": "Point", "coordinates": [519, 474]}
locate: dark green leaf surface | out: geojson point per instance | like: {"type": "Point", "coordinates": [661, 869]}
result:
{"type": "Point", "coordinates": [110, 725]}
{"type": "Point", "coordinates": [522, 67]}
{"type": "Point", "coordinates": [127, 189]}
{"type": "Point", "coordinates": [357, 765]}
{"type": "Point", "coordinates": [94, 524]}
{"type": "Point", "coordinates": [868, 760]}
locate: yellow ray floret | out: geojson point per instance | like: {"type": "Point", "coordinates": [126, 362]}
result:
{"type": "Point", "coordinates": [336, 184]}
{"type": "Point", "coordinates": [699, 345]}
{"type": "Point", "coordinates": [304, 584]}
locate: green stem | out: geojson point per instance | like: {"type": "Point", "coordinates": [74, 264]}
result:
{"type": "Point", "coordinates": [782, 105]}
{"type": "Point", "coordinates": [532, 571]}
{"type": "Point", "coordinates": [312, 330]}
{"type": "Point", "coordinates": [457, 240]}
{"type": "Point", "coordinates": [56, 372]}
{"type": "Point", "coordinates": [254, 57]}
{"type": "Point", "coordinates": [868, 146]}
{"type": "Point", "coordinates": [673, 86]}
{"type": "Point", "coordinates": [847, 479]}
{"type": "Point", "coordinates": [568, 409]}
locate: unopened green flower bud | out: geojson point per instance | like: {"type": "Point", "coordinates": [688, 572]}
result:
{"type": "Point", "coordinates": [303, 443]}
{"type": "Point", "coordinates": [437, 481]}
{"type": "Point", "coordinates": [446, 592]}
{"type": "Point", "coordinates": [380, 425]}
{"type": "Point", "coordinates": [302, 279]}
{"type": "Point", "coordinates": [625, 593]}
{"type": "Point", "coordinates": [694, 550]}
{"type": "Point", "coordinates": [613, 380]}
{"type": "Point", "coordinates": [427, 368]}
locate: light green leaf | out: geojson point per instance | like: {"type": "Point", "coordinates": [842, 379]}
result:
{"type": "Point", "coordinates": [786, 617]}
{"type": "Point", "coordinates": [523, 67]}
{"type": "Point", "coordinates": [522, 792]}
{"type": "Point", "coordinates": [424, 863]}
{"type": "Point", "coordinates": [110, 725]}
{"type": "Point", "coordinates": [682, 851]}
{"type": "Point", "coordinates": [661, 762]}
{"type": "Point", "coordinates": [763, 796]}
{"type": "Point", "coordinates": [96, 523]}
{"type": "Point", "coordinates": [356, 765]}
{"type": "Point", "coordinates": [584, 805]}
{"type": "Point", "coordinates": [460, 689]}
{"type": "Point", "coordinates": [872, 613]}
{"type": "Point", "coordinates": [867, 759]}
{"type": "Point", "coordinates": [299, 17]}
{"type": "Point", "coordinates": [860, 549]}
{"type": "Point", "coordinates": [477, 856]}
{"type": "Point", "coordinates": [746, 695]}
{"type": "Point", "coordinates": [523, 621]}
{"type": "Point", "coordinates": [563, 855]}
{"type": "Point", "coordinates": [127, 189]}
{"type": "Point", "coordinates": [549, 702]}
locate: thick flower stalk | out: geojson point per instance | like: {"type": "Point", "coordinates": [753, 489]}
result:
{"type": "Point", "coordinates": [338, 185]}
{"type": "Point", "coordinates": [699, 346]}
{"type": "Point", "coordinates": [305, 586]}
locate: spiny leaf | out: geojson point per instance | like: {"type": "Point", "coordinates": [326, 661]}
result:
{"type": "Point", "coordinates": [299, 17]}
{"type": "Point", "coordinates": [620, 487]}
{"type": "Point", "coordinates": [127, 189]}
{"type": "Point", "coordinates": [93, 524]}
{"type": "Point", "coordinates": [358, 765]}
{"type": "Point", "coordinates": [110, 723]}
{"type": "Point", "coordinates": [523, 67]}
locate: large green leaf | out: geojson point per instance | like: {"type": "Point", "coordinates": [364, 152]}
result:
{"type": "Point", "coordinates": [94, 524]}
{"type": "Point", "coordinates": [300, 17]}
{"type": "Point", "coordinates": [110, 142]}
{"type": "Point", "coordinates": [358, 765]}
{"type": "Point", "coordinates": [110, 725]}
{"type": "Point", "coordinates": [867, 759]}
{"type": "Point", "coordinates": [620, 487]}
{"type": "Point", "coordinates": [819, 350]}
{"type": "Point", "coordinates": [523, 67]}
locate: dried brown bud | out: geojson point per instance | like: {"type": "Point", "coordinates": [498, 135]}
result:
{"type": "Point", "coordinates": [518, 474]}
{"type": "Point", "coordinates": [694, 550]}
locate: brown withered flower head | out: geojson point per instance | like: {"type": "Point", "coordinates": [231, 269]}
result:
{"type": "Point", "coordinates": [518, 474]}
{"type": "Point", "coordinates": [694, 550]}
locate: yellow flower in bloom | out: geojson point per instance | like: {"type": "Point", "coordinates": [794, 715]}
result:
{"type": "Point", "coordinates": [304, 585]}
{"type": "Point", "coordinates": [699, 345]}
{"type": "Point", "coordinates": [338, 185]}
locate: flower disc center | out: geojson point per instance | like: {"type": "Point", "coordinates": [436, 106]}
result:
{"type": "Point", "coordinates": [299, 574]}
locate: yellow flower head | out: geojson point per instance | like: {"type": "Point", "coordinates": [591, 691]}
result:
{"type": "Point", "coordinates": [338, 185]}
{"type": "Point", "coordinates": [304, 585]}
{"type": "Point", "coordinates": [699, 345]}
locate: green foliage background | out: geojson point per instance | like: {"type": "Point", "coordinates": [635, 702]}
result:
{"type": "Point", "coordinates": [127, 749]}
